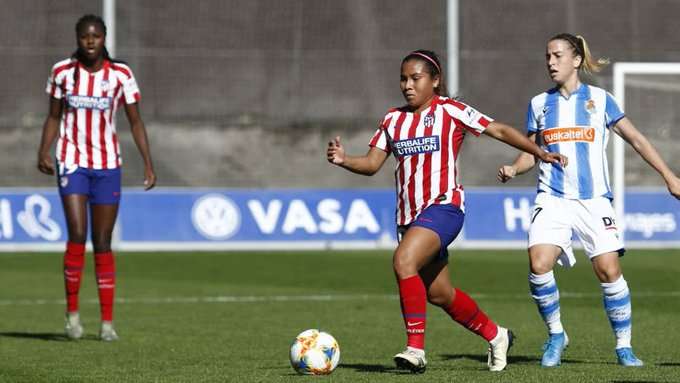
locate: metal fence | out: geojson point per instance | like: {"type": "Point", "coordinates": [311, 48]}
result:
{"type": "Point", "coordinates": [246, 94]}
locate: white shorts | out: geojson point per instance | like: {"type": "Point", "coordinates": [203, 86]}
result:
{"type": "Point", "coordinates": [554, 219]}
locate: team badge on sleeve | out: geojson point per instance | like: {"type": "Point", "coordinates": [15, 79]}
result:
{"type": "Point", "coordinates": [471, 116]}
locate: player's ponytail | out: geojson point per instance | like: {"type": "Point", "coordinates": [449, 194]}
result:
{"type": "Point", "coordinates": [76, 72]}
{"type": "Point", "coordinates": [107, 56]}
{"type": "Point", "coordinates": [578, 44]}
{"type": "Point", "coordinates": [433, 65]}
{"type": "Point", "coordinates": [590, 64]}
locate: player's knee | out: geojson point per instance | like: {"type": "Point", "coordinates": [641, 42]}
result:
{"type": "Point", "coordinates": [101, 243]}
{"type": "Point", "coordinates": [609, 274]}
{"type": "Point", "coordinates": [439, 299]}
{"type": "Point", "coordinates": [607, 267]}
{"type": "Point", "coordinates": [540, 265]}
{"type": "Point", "coordinates": [540, 262]}
{"type": "Point", "coordinates": [403, 264]}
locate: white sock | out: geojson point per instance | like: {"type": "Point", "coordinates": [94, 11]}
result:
{"type": "Point", "coordinates": [547, 297]}
{"type": "Point", "coordinates": [616, 297]}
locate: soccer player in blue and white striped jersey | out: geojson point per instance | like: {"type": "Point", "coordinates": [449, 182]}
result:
{"type": "Point", "coordinates": [575, 119]}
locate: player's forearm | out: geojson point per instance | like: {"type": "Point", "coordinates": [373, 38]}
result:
{"type": "Point", "coordinates": [49, 134]}
{"type": "Point", "coordinates": [523, 163]}
{"type": "Point", "coordinates": [647, 151]}
{"type": "Point", "coordinates": [512, 137]}
{"type": "Point", "coordinates": [363, 165]}
{"type": "Point", "coordinates": [643, 147]}
{"type": "Point", "coordinates": [142, 142]}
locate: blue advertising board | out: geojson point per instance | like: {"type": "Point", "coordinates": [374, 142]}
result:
{"type": "Point", "coordinates": [503, 216]}
{"type": "Point", "coordinates": [194, 219]}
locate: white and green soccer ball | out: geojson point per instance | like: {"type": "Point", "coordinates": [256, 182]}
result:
{"type": "Point", "coordinates": [314, 352]}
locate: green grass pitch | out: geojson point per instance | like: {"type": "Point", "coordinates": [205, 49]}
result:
{"type": "Point", "coordinates": [203, 317]}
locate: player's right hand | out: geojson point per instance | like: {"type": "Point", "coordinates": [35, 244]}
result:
{"type": "Point", "coordinates": [45, 164]}
{"type": "Point", "coordinates": [335, 153]}
{"type": "Point", "coordinates": [506, 173]}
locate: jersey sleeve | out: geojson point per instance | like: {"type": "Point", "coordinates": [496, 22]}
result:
{"type": "Point", "coordinates": [473, 120]}
{"type": "Point", "coordinates": [612, 111]}
{"type": "Point", "coordinates": [53, 88]}
{"type": "Point", "coordinates": [532, 124]}
{"type": "Point", "coordinates": [380, 137]}
{"type": "Point", "coordinates": [131, 89]}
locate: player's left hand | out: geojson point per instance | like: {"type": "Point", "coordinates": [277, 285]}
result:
{"type": "Point", "coordinates": [149, 179]}
{"type": "Point", "coordinates": [673, 185]}
{"type": "Point", "coordinates": [45, 164]}
{"type": "Point", "coordinates": [555, 158]}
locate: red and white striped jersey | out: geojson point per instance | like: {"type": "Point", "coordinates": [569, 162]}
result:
{"type": "Point", "coordinates": [426, 147]}
{"type": "Point", "coordinates": [87, 134]}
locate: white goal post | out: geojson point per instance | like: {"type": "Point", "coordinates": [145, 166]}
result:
{"type": "Point", "coordinates": [109, 16]}
{"type": "Point", "coordinates": [622, 69]}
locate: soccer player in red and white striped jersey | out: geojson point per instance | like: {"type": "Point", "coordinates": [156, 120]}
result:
{"type": "Point", "coordinates": [88, 136]}
{"type": "Point", "coordinates": [425, 137]}
{"type": "Point", "coordinates": [85, 92]}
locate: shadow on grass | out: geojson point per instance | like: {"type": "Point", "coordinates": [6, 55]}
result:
{"type": "Point", "coordinates": [634, 381]}
{"type": "Point", "coordinates": [374, 368]}
{"type": "Point", "coordinates": [512, 359]}
{"type": "Point", "coordinates": [46, 336]}
{"type": "Point", "coordinates": [669, 364]}
{"type": "Point", "coordinates": [475, 357]}
{"type": "Point", "coordinates": [482, 358]}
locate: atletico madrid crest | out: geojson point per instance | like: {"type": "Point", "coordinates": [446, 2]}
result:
{"type": "Point", "coordinates": [429, 120]}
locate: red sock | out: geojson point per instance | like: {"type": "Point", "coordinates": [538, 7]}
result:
{"type": "Point", "coordinates": [105, 269]}
{"type": "Point", "coordinates": [413, 308]}
{"type": "Point", "coordinates": [465, 311]}
{"type": "Point", "coordinates": [74, 260]}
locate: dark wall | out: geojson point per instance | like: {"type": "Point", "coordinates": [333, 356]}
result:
{"type": "Point", "coordinates": [246, 94]}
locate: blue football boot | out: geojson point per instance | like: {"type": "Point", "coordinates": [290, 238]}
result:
{"type": "Point", "coordinates": [552, 349]}
{"type": "Point", "coordinates": [627, 358]}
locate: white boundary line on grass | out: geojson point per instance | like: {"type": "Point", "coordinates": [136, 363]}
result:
{"type": "Point", "coordinates": [307, 298]}
{"type": "Point", "coordinates": [283, 246]}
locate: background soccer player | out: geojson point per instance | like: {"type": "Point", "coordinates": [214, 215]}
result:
{"type": "Point", "coordinates": [85, 92]}
{"type": "Point", "coordinates": [575, 119]}
{"type": "Point", "coordinates": [425, 137]}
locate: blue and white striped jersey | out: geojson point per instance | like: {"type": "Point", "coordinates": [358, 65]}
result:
{"type": "Point", "coordinates": [577, 127]}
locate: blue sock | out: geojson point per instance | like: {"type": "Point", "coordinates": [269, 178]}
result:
{"type": "Point", "coordinates": [618, 308]}
{"type": "Point", "coordinates": [547, 297]}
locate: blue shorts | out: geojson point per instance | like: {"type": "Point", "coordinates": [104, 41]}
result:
{"type": "Point", "coordinates": [101, 186]}
{"type": "Point", "coordinates": [445, 220]}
